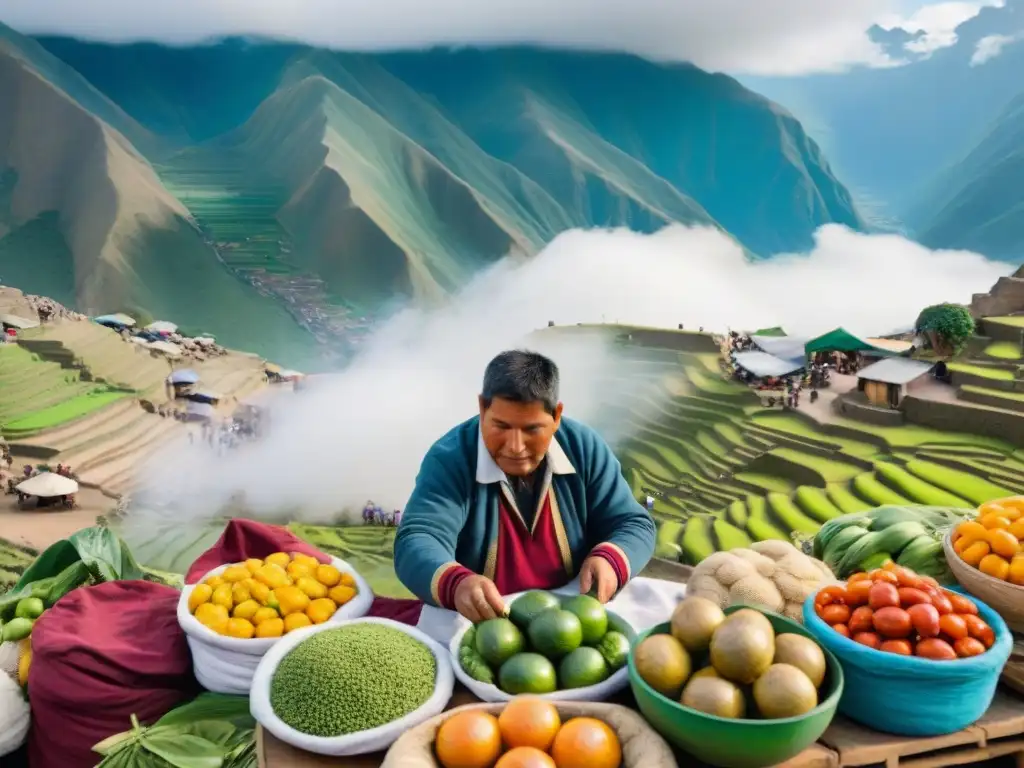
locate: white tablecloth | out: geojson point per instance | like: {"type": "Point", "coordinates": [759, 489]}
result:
{"type": "Point", "coordinates": [643, 603]}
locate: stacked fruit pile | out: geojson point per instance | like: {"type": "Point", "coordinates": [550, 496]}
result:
{"type": "Point", "coordinates": [895, 610]}
{"type": "Point", "coordinates": [743, 669]}
{"type": "Point", "coordinates": [529, 733]}
{"type": "Point", "coordinates": [270, 597]}
{"type": "Point", "coordinates": [519, 653]}
{"type": "Point", "coordinates": [994, 541]}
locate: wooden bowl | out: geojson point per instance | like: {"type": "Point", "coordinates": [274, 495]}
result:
{"type": "Point", "coordinates": [1004, 598]}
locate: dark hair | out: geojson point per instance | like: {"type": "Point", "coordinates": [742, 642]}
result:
{"type": "Point", "coordinates": [522, 377]}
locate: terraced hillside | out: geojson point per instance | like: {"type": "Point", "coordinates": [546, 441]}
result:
{"type": "Point", "coordinates": [724, 470]}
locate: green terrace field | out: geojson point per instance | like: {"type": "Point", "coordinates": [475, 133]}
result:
{"type": "Point", "coordinates": [14, 559]}
{"type": "Point", "coordinates": [724, 470]}
{"type": "Point", "coordinates": [37, 395]}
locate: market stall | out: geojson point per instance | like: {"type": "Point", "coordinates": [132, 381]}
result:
{"type": "Point", "coordinates": [884, 642]}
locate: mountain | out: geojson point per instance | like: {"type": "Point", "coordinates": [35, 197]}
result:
{"type": "Point", "coordinates": [978, 203]}
{"type": "Point", "coordinates": [304, 191]}
{"type": "Point", "coordinates": [888, 131]}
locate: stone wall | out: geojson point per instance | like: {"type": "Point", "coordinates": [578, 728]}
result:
{"type": "Point", "coordinates": [960, 378]}
{"type": "Point", "coordinates": [856, 406]}
{"type": "Point", "coordinates": [1001, 332]}
{"type": "Point", "coordinates": [683, 341]}
{"type": "Point", "coordinates": [951, 417]}
{"type": "Point", "coordinates": [995, 401]}
{"type": "Point", "coordinates": [1005, 298]}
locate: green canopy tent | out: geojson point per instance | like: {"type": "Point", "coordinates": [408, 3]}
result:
{"type": "Point", "coordinates": [839, 340]}
{"type": "Point", "coordinates": [776, 331]}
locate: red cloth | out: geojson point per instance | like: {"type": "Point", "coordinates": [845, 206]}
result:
{"type": "Point", "coordinates": [243, 539]}
{"type": "Point", "coordinates": [528, 560]}
{"type": "Point", "coordinates": [100, 655]}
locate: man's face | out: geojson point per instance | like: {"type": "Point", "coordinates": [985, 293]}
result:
{"type": "Point", "coordinates": [517, 435]}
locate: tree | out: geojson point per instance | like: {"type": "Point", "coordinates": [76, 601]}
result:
{"type": "Point", "coordinates": [947, 326]}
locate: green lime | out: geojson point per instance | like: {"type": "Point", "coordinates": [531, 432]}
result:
{"type": "Point", "coordinates": [614, 646]}
{"type": "Point", "coordinates": [591, 614]}
{"type": "Point", "coordinates": [29, 608]}
{"type": "Point", "coordinates": [498, 640]}
{"type": "Point", "coordinates": [17, 629]}
{"type": "Point", "coordinates": [555, 633]}
{"type": "Point", "coordinates": [527, 673]}
{"type": "Point", "coordinates": [583, 667]}
{"type": "Point", "coordinates": [528, 605]}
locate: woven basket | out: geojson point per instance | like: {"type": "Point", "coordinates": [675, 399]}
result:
{"type": "Point", "coordinates": [642, 747]}
{"type": "Point", "coordinates": [1002, 597]}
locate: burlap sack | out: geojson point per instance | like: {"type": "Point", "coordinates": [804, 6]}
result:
{"type": "Point", "coordinates": [641, 746]}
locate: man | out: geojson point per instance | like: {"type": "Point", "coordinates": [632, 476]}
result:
{"type": "Point", "coordinates": [519, 498]}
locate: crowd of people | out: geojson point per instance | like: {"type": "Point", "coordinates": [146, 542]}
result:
{"type": "Point", "coordinates": [10, 480]}
{"type": "Point", "coordinates": [787, 390]}
{"type": "Point", "coordinates": [373, 514]}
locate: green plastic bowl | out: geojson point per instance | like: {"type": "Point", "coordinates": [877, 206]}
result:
{"type": "Point", "coordinates": [738, 743]}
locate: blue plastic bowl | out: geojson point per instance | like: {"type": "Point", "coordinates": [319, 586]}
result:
{"type": "Point", "coordinates": [908, 695]}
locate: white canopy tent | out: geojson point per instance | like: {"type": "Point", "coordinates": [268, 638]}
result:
{"type": "Point", "coordinates": [21, 323]}
{"type": "Point", "coordinates": [162, 326]}
{"type": "Point", "coordinates": [47, 485]}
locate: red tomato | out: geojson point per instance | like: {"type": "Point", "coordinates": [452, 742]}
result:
{"type": "Point", "coordinates": [870, 639]}
{"type": "Point", "coordinates": [904, 576]}
{"type": "Point", "coordinates": [902, 647]}
{"type": "Point", "coordinates": [935, 649]}
{"type": "Point", "coordinates": [835, 614]}
{"type": "Point", "coordinates": [883, 595]}
{"type": "Point", "coordinates": [968, 646]}
{"type": "Point", "coordinates": [885, 576]}
{"type": "Point", "coordinates": [858, 577]}
{"type": "Point", "coordinates": [978, 629]}
{"type": "Point", "coordinates": [860, 621]}
{"type": "Point", "coordinates": [842, 629]}
{"type": "Point", "coordinates": [857, 592]}
{"type": "Point", "coordinates": [928, 581]}
{"type": "Point", "coordinates": [910, 596]}
{"type": "Point", "coordinates": [942, 603]}
{"type": "Point", "coordinates": [832, 594]}
{"type": "Point", "coordinates": [962, 604]}
{"type": "Point", "coordinates": [925, 619]}
{"type": "Point", "coordinates": [892, 622]}
{"type": "Point", "coordinates": [953, 626]}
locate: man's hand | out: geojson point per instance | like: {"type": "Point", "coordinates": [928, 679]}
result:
{"type": "Point", "coordinates": [598, 572]}
{"type": "Point", "coordinates": [478, 599]}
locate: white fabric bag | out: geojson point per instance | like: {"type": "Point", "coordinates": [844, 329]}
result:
{"type": "Point", "coordinates": [362, 742]}
{"type": "Point", "coordinates": [227, 664]}
{"type": "Point", "coordinates": [14, 715]}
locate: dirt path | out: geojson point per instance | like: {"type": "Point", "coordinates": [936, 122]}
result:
{"type": "Point", "coordinates": [41, 528]}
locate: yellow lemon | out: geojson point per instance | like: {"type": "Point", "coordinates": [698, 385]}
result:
{"type": "Point", "coordinates": [295, 621]}
{"type": "Point", "coordinates": [328, 575]}
{"type": "Point", "coordinates": [280, 559]}
{"type": "Point", "coordinates": [253, 564]}
{"type": "Point", "coordinates": [321, 610]}
{"type": "Point", "coordinates": [222, 596]}
{"type": "Point", "coordinates": [241, 628]}
{"type": "Point", "coordinates": [270, 628]}
{"type": "Point", "coordinates": [272, 575]}
{"type": "Point", "coordinates": [299, 557]}
{"type": "Point", "coordinates": [246, 609]}
{"type": "Point", "coordinates": [259, 592]}
{"type": "Point", "coordinates": [347, 579]}
{"type": "Point", "coordinates": [297, 570]}
{"type": "Point", "coordinates": [235, 573]}
{"type": "Point", "coordinates": [213, 616]}
{"type": "Point", "coordinates": [201, 593]}
{"type": "Point", "coordinates": [311, 587]}
{"type": "Point", "coordinates": [263, 614]}
{"type": "Point", "coordinates": [214, 582]}
{"type": "Point", "coordinates": [240, 591]}
{"type": "Point", "coordinates": [291, 600]}
{"type": "Point", "coordinates": [341, 594]}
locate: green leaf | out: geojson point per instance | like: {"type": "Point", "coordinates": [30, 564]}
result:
{"type": "Point", "coordinates": [72, 577]}
{"type": "Point", "coordinates": [211, 706]}
{"type": "Point", "coordinates": [183, 750]}
{"type": "Point", "coordinates": [52, 561]}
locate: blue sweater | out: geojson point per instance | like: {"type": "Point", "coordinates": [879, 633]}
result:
{"type": "Point", "coordinates": [451, 518]}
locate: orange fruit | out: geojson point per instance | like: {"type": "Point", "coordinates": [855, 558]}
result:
{"type": "Point", "coordinates": [974, 553]}
{"type": "Point", "coordinates": [1003, 543]}
{"type": "Point", "coordinates": [586, 742]}
{"type": "Point", "coordinates": [525, 757]}
{"type": "Point", "coordinates": [992, 520]}
{"type": "Point", "coordinates": [469, 739]}
{"type": "Point", "coordinates": [994, 566]}
{"type": "Point", "coordinates": [1017, 528]}
{"type": "Point", "coordinates": [1016, 572]}
{"type": "Point", "coordinates": [529, 722]}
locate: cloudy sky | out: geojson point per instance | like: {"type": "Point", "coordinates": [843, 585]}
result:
{"type": "Point", "coordinates": [752, 37]}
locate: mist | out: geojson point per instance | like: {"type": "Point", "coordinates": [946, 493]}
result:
{"type": "Point", "coordinates": [361, 434]}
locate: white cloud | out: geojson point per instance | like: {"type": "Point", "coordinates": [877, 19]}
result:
{"type": "Point", "coordinates": [364, 433]}
{"type": "Point", "coordinates": [990, 46]}
{"type": "Point", "coordinates": [937, 23]}
{"type": "Point", "coordinates": [783, 37]}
